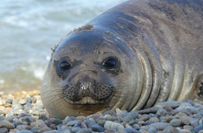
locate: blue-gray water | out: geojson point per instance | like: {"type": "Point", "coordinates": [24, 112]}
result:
{"type": "Point", "coordinates": [30, 28]}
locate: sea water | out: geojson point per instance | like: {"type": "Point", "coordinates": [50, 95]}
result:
{"type": "Point", "coordinates": [28, 31]}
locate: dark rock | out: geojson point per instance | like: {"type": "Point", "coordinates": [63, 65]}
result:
{"type": "Point", "coordinates": [176, 122]}
{"type": "Point", "coordinates": [97, 128]}
{"type": "Point", "coordinates": [109, 125]}
{"type": "Point", "coordinates": [3, 130]}
{"type": "Point", "coordinates": [6, 124]}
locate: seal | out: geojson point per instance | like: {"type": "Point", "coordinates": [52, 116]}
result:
{"type": "Point", "coordinates": [131, 57]}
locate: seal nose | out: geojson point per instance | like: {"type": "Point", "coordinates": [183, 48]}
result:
{"type": "Point", "coordinates": [84, 89]}
{"type": "Point", "coordinates": [85, 84]}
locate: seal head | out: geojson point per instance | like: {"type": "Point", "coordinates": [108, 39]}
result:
{"type": "Point", "coordinates": [88, 72]}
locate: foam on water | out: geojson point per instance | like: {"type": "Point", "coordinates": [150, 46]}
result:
{"type": "Point", "coordinates": [30, 28]}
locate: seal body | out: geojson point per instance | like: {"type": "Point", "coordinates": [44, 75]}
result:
{"type": "Point", "coordinates": [134, 55]}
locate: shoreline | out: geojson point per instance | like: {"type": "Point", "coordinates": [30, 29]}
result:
{"type": "Point", "coordinates": [23, 112]}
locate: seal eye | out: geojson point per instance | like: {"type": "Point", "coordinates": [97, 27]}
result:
{"type": "Point", "coordinates": [64, 65]}
{"type": "Point", "coordinates": [110, 63]}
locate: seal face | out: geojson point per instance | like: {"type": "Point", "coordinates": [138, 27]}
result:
{"type": "Point", "coordinates": [82, 85]}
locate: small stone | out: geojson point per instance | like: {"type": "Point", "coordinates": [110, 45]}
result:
{"type": "Point", "coordinates": [24, 131]}
{"type": "Point", "coordinates": [170, 129]}
{"type": "Point", "coordinates": [198, 128]}
{"type": "Point", "coordinates": [180, 114]}
{"type": "Point", "coordinates": [22, 101]}
{"type": "Point", "coordinates": [41, 125]}
{"type": "Point", "coordinates": [144, 117]}
{"type": "Point", "coordinates": [136, 126]}
{"type": "Point", "coordinates": [22, 127]}
{"type": "Point", "coordinates": [186, 108]}
{"type": "Point", "coordinates": [176, 122]}
{"type": "Point", "coordinates": [73, 123]}
{"type": "Point", "coordinates": [201, 131]}
{"type": "Point", "coordinates": [35, 130]}
{"type": "Point", "coordinates": [131, 130]}
{"type": "Point", "coordinates": [101, 122]}
{"type": "Point", "coordinates": [27, 119]}
{"type": "Point", "coordinates": [89, 122]}
{"type": "Point", "coordinates": [152, 130]}
{"type": "Point", "coordinates": [130, 117]}
{"type": "Point", "coordinates": [187, 127]}
{"type": "Point", "coordinates": [194, 122]}
{"type": "Point", "coordinates": [185, 120]}
{"type": "Point", "coordinates": [75, 129]}
{"type": "Point", "coordinates": [3, 130]}
{"type": "Point", "coordinates": [52, 131]}
{"type": "Point", "coordinates": [183, 131]}
{"type": "Point", "coordinates": [6, 124]}
{"type": "Point", "coordinates": [109, 117]}
{"type": "Point", "coordinates": [162, 112]}
{"type": "Point", "coordinates": [109, 125]}
{"type": "Point", "coordinates": [84, 130]}
{"type": "Point", "coordinates": [97, 128]}
{"type": "Point", "coordinates": [160, 125]}
{"type": "Point", "coordinates": [153, 120]}
{"type": "Point", "coordinates": [9, 101]}
{"type": "Point", "coordinates": [64, 131]}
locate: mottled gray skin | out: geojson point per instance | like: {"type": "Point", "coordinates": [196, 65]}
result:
{"type": "Point", "coordinates": [159, 47]}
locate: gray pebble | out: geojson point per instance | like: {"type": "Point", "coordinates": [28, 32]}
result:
{"type": "Point", "coordinates": [73, 123]}
{"type": "Point", "coordinates": [6, 124]}
{"type": "Point", "coordinates": [184, 131]}
{"type": "Point", "coordinates": [51, 131]}
{"type": "Point", "coordinates": [64, 131]}
{"type": "Point", "coordinates": [201, 131]}
{"type": "Point", "coordinates": [89, 122]}
{"type": "Point", "coordinates": [84, 130]}
{"type": "Point", "coordinates": [75, 129]}
{"type": "Point", "coordinates": [3, 130]}
{"type": "Point", "coordinates": [97, 128]}
{"type": "Point", "coordinates": [22, 101]}
{"type": "Point", "coordinates": [153, 120]}
{"type": "Point", "coordinates": [187, 127]}
{"type": "Point", "coordinates": [170, 129]}
{"type": "Point", "coordinates": [186, 108]}
{"type": "Point", "coordinates": [162, 112]}
{"type": "Point", "coordinates": [152, 130]}
{"type": "Point", "coordinates": [131, 130]}
{"type": "Point", "coordinates": [24, 131]}
{"type": "Point", "coordinates": [198, 128]}
{"type": "Point", "coordinates": [176, 122]}
{"type": "Point", "coordinates": [130, 117]}
{"type": "Point", "coordinates": [160, 125]}
{"type": "Point", "coordinates": [114, 126]}
{"type": "Point", "coordinates": [22, 127]}
{"type": "Point", "coordinates": [144, 117]}
{"type": "Point", "coordinates": [185, 120]}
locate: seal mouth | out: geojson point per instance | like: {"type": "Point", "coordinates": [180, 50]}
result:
{"type": "Point", "coordinates": [85, 101]}
{"type": "Point", "coordinates": [87, 95]}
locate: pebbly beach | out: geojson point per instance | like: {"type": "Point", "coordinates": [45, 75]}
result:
{"type": "Point", "coordinates": [23, 112]}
